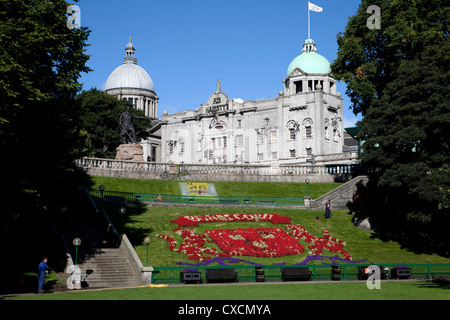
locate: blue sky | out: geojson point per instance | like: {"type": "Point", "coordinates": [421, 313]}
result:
{"type": "Point", "coordinates": [185, 46]}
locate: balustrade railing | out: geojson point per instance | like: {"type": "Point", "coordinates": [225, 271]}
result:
{"type": "Point", "coordinates": [157, 167]}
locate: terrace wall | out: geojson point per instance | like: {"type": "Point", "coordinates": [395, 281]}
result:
{"type": "Point", "coordinates": [216, 172]}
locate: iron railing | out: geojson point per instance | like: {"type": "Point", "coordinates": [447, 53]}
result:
{"type": "Point", "coordinates": [272, 273]}
{"type": "Point", "coordinates": [180, 199]}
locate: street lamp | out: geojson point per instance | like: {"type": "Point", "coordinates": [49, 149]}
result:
{"type": "Point", "coordinates": [147, 241]}
{"type": "Point", "coordinates": [76, 242]}
{"type": "Point", "coordinates": [101, 188]}
{"type": "Point", "coordinates": [122, 212]}
{"type": "Point", "coordinates": [307, 188]}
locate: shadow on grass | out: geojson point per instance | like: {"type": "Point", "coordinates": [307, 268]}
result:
{"type": "Point", "coordinates": [436, 284]}
{"type": "Point", "coordinates": [123, 221]}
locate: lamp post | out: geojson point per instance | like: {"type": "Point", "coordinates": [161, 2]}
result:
{"type": "Point", "coordinates": [122, 212]}
{"type": "Point", "coordinates": [101, 188]}
{"type": "Point", "coordinates": [76, 242]}
{"type": "Point", "coordinates": [147, 241]}
{"type": "Point", "coordinates": [307, 188]}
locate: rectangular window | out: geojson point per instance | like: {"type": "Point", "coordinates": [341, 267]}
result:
{"type": "Point", "coordinates": [239, 124]}
{"type": "Point", "coordinates": [181, 147]}
{"type": "Point", "coordinates": [298, 86]}
{"type": "Point", "coordinates": [240, 140]}
{"type": "Point", "coordinates": [213, 143]}
{"type": "Point", "coordinates": [309, 151]}
{"type": "Point", "coordinates": [292, 152]}
{"type": "Point", "coordinates": [274, 136]}
{"type": "Point", "coordinates": [260, 156]}
{"type": "Point", "coordinates": [219, 142]}
{"type": "Point", "coordinates": [308, 132]}
{"type": "Point", "coordinates": [292, 134]}
{"type": "Point", "coordinates": [224, 142]}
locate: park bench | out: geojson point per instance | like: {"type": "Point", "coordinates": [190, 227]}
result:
{"type": "Point", "coordinates": [295, 273]}
{"type": "Point", "coordinates": [400, 272]}
{"type": "Point", "coordinates": [191, 277]}
{"type": "Point", "coordinates": [364, 273]}
{"type": "Point", "coordinates": [221, 275]}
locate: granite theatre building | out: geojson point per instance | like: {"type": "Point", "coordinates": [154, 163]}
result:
{"type": "Point", "coordinates": [302, 125]}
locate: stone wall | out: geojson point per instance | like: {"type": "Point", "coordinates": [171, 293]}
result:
{"type": "Point", "coordinates": [339, 196]}
{"type": "Point", "coordinates": [215, 172]}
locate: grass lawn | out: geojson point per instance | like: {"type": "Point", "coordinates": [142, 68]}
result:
{"type": "Point", "coordinates": [223, 188]}
{"type": "Point", "coordinates": [152, 220]}
{"type": "Point", "coordinates": [356, 290]}
{"type": "Point", "coordinates": [142, 221]}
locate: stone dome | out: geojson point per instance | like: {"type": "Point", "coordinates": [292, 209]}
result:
{"type": "Point", "coordinates": [129, 74]}
{"type": "Point", "coordinates": [310, 61]}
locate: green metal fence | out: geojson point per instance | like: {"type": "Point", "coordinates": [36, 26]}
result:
{"type": "Point", "coordinates": [272, 273]}
{"type": "Point", "coordinates": [179, 199]}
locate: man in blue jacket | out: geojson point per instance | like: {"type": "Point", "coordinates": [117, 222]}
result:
{"type": "Point", "coordinates": [43, 270]}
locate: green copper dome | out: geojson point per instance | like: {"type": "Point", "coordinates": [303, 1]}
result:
{"type": "Point", "coordinates": [310, 61]}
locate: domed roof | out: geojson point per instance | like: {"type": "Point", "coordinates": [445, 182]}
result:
{"type": "Point", "coordinates": [310, 61]}
{"type": "Point", "coordinates": [129, 74]}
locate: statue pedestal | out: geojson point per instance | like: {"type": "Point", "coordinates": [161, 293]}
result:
{"type": "Point", "coordinates": [131, 152]}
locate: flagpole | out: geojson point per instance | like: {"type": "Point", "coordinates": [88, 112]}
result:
{"type": "Point", "coordinates": [309, 23]}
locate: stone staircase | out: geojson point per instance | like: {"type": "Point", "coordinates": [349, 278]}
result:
{"type": "Point", "coordinates": [341, 195]}
{"type": "Point", "coordinates": [102, 263]}
{"type": "Point", "coordinates": [107, 268]}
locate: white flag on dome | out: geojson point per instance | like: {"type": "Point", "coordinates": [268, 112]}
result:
{"type": "Point", "coordinates": [314, 8]}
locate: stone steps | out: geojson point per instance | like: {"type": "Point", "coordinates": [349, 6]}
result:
{"type": "Point", "coordinates": [106, 268]}
{"type": "Point", "coordinates": [339, 196]}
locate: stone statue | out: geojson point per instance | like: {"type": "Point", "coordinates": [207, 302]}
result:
{"type": "Point", "coordinates": [218, 86]}
{"type": "Point", "coordinates": [127, 131]}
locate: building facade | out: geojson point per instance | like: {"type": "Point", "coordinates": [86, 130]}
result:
{"type": "Point", "coordinates": [304, 124]}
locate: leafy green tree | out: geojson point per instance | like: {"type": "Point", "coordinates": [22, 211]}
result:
{"type": "Point", "coordinates": [398, 80]}
{"type": "Point", "coordinates": [41, 60]}
{"type": "Point", "coordinates": [99, 120]}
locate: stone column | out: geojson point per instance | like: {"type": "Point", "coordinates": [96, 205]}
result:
{"type": "Point", "coordinates": [319, 118]}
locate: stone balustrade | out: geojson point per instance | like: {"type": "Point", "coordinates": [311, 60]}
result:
{"type": "Point", "coordinates": [215, 172]}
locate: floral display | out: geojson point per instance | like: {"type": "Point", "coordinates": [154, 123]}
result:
{"type": "Point", "coordinates": [318, 244]}
{"type": "Point", "coordinates": [251, 242]}
{"type": "Point", "coordinates": [194, 221]}
{"type": "Point", "coordinates": [260, 242]}
{"type": "Point", "coordinates": [228, 261]}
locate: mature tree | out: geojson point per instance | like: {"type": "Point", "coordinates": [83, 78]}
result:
{"type": "Point", "coordinates": [41, 60]}
{"type": "Point", "coordinates": [398, 80]}
{"type": "Point", "coordinates": [99, 115]}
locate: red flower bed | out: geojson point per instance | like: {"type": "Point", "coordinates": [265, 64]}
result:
{"type": "Point", "coordinates": [257, 242]}
{"type": "Point", "coordinates": [261, 242]}
{"type": "Point", "coordinates": [318, 244]}
{"type": "Point", "coordinates": [193, 221]}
